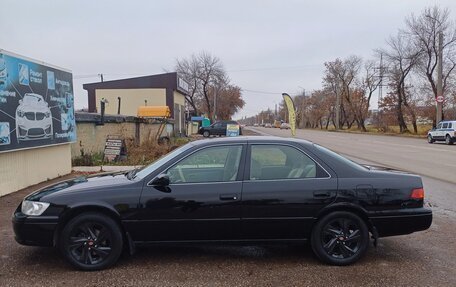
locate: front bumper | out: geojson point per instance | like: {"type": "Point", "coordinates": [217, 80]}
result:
{"type": "Point", "coordinates": [402, 222]}
{"type": "Point", "coordinates": [34, 230]}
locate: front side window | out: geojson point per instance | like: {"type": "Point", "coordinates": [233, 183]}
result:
{"type": "Point", "coordinates": [211, 164]}
{"type": "Point", "coordinates": [281, 162]}
{"type": "Point", "coordinates": [445, 125]}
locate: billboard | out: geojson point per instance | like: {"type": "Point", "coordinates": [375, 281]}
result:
{"type": "Point", "coordinates": [36, 104]}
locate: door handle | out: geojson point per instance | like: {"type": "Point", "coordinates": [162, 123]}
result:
{"type": "Point", "coordinates": [322, 194]}
{"type": "Point", "coordinates": [228, 196]}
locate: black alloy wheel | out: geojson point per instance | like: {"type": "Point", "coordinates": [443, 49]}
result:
{"type": "Point", "coordinates": [91, 241]}
{"type": "Point", "coordinates": [340, 238]}
{"type": "Point", "coordinates": [430, 139]}
{"type": "Point", "coordinates": [448, 140]}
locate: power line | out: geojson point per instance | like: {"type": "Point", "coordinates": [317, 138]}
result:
{"type": "Point", "coordinates": [274, 68]}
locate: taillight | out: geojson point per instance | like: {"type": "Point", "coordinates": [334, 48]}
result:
{"type": "Point", "coordinates": [417, 193]}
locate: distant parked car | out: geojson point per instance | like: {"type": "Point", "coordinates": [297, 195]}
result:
{"type": "Point", "coordinates": [285, 126]}
{"type": "Point", "coordinates": [255, 125]}
{"type": "Point", "coordinates": [217, 129]}
{"type": "Point", "coordinates": [445, 131]}
{"type": "Point", "coordinates": [268, 125]}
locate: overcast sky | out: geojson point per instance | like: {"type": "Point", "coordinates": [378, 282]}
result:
{"type": "Point", "coordinates": [266, 46]}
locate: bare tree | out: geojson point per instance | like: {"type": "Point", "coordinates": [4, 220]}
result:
{"type": "Point", "coordinates": [402, 56]}
{"type": "Point", "coordinates": [189, 70]}
{"type": "Point", "coordinates": [203, 72]}
{"type": "Point", "coordinates": [367, 86]}
{"type": "Point", "coordinates": [424, 30]}
{"type": "Point", "coordinates": [340, 77]}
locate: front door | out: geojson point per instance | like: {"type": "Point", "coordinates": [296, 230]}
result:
{"type": "Point", "coordinates": [284, 190]}
{"type": "Point", "coordinates": [202, 201]}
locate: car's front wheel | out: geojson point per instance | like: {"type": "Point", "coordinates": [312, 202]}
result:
{"type": "Point", "coordinates": [340, 238]}
{"type": "Point", "coordinates": [430, 139]}
{"type": "Point", "coordinates": [448, 140]}
{"type": "Point", "coordinates": [91, 241]}
{"type": "Point", "coordinates": [206, 134]}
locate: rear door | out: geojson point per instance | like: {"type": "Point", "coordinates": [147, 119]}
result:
{"type": "Point", "coordinates": [283, 191]}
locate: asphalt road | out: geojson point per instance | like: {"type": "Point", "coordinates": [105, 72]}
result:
{"type": "Point", "coordinates": [421, 259]}
{"type": "Point", "coordinates": [436, 163]}
{"type": "Point", "coordinates": [406, 153]}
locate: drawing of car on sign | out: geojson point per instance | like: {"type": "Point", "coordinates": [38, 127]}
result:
{"type": "Point", "coordinates": [33, 118]}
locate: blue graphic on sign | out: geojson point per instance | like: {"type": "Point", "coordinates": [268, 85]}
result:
{"type": "Point", "coordinates": [50, 80]}
{"type": "Point", "coordinates": [4, 134]}
{"type": "Point", "coordinates": [24, 75]}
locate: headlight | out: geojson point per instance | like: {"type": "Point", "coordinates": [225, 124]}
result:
{"type": "Point", "coordinates": [47, 114]}
{"type": "Point", "coordinates": [20, 113]}
{"type": "Point", "coordinates": [34, 208]}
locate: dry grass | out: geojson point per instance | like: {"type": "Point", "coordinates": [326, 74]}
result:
{"type": "Point", "coordinates": [389, 130]}
{"type": "Point", "coordinates": [142, 154]}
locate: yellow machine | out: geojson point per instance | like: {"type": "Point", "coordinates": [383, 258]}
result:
{"type": "Point", "coordinates": [160, 113]}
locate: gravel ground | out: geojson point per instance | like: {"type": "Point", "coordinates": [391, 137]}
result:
{"type": "Point", "coordinates": [422, 259]}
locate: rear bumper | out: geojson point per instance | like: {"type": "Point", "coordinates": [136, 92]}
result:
{"type": "Point", "coordinates": [35, 231]}
{"type": "Point", "coordinates": [402, 222]}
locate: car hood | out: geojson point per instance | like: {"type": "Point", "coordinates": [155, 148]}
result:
{"type": "Point", "coordinates": [78, 184]}
{"type": "Point", "coordinates": [33, 107]}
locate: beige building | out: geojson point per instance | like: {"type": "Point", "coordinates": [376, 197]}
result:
{"type": "Point", "coordinates": [123, 97]}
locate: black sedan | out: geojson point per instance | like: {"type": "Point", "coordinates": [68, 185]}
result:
{"type": "Point", "coordinates": [236, 190]}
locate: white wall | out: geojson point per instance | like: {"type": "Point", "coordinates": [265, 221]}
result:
{"type": "Point", "coordinates": [19, 169]}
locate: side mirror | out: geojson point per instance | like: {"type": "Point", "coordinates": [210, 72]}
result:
{"type": "Point", "coordinates": [161, 180]}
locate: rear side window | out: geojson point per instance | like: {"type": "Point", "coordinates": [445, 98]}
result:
{"type": "Point", "coordinates": [269, 162]}
{"type": "Point", "coordinates": [450, 125]}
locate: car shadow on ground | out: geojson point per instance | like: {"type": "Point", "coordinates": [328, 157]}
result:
{"type": "Point", "coordinates": [389, 251]}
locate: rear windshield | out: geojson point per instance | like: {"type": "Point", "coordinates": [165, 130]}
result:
{"type": "Point", "coordinates": [340, 158]}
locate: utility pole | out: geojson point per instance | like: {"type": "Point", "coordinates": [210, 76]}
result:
{"type": "Point", "coordinates": [380, 85]}
{"type": "Point", "coordinates": [337, 108]}
{"type": "Point", "coordinates": [215, 102]}
{"type": "Point", "coordinates": [439, 98]}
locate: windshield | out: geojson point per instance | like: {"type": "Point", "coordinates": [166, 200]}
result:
{"type": "Point", "coordinates": [159, 162]}
{"type": "Point", "coordinates": [338, 157]}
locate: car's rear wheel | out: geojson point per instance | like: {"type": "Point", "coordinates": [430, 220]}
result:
{"type": "Point", "coordinates": [430, 139]}
{"type": "Point", "coordinates": [448, 140]}
{"type": "Point", "coordinates": [206, 134]}
{"type": "Point", "coordinates": [91, 241]}
{"type": "Point", "coordinates": [340, 238]}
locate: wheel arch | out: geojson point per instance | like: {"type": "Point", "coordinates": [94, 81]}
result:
{"type": "Point", "coordinates": [95, 208]}
{"type": "Point", "coordinates": [353, 208]}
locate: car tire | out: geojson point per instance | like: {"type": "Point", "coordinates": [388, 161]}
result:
{"type": "Point", "coordinates": [430, 139]}
{"type": "Point", "coordinates": [206, 134]}
{"type": "Point", "coordinates": [340, 238]}
{"type": "Point", "coordinates": [91, 241]}
{"type": "Point", "coordinates": [448, 140]}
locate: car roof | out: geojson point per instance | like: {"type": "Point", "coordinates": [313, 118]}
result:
{"type": "Point", "coordinates": [250, 139]}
